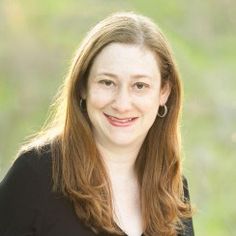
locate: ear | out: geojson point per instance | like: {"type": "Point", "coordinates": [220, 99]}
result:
{"type": "Point", "coordinates": [164, 93]}
{"type": "Point", "coordinates": [83, 91]}
{"type": "Point", "coordinates": [83, 94]}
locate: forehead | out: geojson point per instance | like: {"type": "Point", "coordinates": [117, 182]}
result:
{"type": "Point", "coordinates": [126, 59]}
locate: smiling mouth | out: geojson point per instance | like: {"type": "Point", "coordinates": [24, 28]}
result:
{"type": "Point", "coordinates": [121, 122]}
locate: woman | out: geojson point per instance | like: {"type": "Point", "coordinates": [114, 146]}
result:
{"type": "Point", "coordinates": [108, 163]}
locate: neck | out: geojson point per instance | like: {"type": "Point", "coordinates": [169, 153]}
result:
{"type": "Point", "coordinates": [119, 161]}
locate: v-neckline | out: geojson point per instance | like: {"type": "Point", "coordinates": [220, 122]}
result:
{"type": "Point", "coordinates": [107, 234]}
{"type": "Point", "coordinates": [124, 232]}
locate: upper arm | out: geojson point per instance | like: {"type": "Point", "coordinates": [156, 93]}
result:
{"type": "Point", "coordinates": [186, 190]}
{"type": "Point", "coordinates": [20, 199]}
{"type": "Point", "coordinates": [188, 223]}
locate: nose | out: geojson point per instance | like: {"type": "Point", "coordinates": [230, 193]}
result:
{"type": "Point", "coordinates": [122, 101]}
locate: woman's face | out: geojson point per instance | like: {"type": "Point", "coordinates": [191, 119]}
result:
{"type": "Point", "coordinates": [123, 94]}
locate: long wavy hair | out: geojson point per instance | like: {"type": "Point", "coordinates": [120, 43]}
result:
{"type": "Point", "coordinates": [78, 170]}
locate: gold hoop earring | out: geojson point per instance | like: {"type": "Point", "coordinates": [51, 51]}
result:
{"type": "Point", "coordinates": [164, 112]}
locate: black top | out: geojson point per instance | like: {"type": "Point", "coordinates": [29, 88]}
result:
{"type": "Point", "coordinates": [28, 207]}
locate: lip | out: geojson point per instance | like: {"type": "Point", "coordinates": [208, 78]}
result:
{"type": "Point", "coordinates": [120, 122]}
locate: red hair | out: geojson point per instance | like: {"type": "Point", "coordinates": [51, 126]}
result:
{"type": "Point", "coordinates": [78, 170]}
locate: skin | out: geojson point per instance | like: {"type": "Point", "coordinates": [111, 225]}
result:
{"type": "Point", "coordinates": [123, 96]}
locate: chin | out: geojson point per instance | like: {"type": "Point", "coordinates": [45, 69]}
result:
{"type": "Point", "coordinates": [121, 141]}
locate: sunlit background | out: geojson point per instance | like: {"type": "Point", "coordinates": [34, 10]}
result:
{"type": "Point", "coordinates": [39, 38]}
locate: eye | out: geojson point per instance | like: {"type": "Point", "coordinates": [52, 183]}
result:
{"type": "Point", "coordinates": [141, 85]}
{"type": "Point", "coordinates": [106, 82]}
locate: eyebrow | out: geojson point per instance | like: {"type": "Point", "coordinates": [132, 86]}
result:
{"type": "Point", "coordinates": [136, 76]}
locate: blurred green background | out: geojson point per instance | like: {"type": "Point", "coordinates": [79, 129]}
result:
{"type": "Point", "coordinates": [39, 38]}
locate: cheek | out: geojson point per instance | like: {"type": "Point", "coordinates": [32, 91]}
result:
{"type": "Point", "coordinates": [97, 99]}
{"type": "Point", "coordinates": [149, 108]}
{"type": "Point", "coordinates": [149, 103]}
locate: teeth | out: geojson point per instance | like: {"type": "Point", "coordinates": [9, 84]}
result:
{"type": "Point", "coordinates": [122, 121]}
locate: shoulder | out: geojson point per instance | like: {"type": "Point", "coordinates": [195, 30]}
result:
{"type": "Point", "coordinates": [25, 187]}
{"type": "Point", "coordinates": [34, 155]}
{"type": "Point", "coordinates": [188, 223]}
{"type": "Point", "coordinates": [30, 165]}
{"type": "Point", "coordinates": [31, 168]}
{"type": "Point", "coordinates": [29, 174]}
{"type": "Point", "coordinates": [185, 188]}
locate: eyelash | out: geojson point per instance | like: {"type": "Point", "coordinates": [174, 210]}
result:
{"type": "Point", "coordinates": [142, 84]}
{"type": "Point", "coordinates": [108, 83]}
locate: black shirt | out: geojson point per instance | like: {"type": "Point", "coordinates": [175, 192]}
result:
{"type": "Point", "coordinates": [28, 207]}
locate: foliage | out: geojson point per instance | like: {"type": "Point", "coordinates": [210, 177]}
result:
{"type": "Point", "coordinates": [38, 39]}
